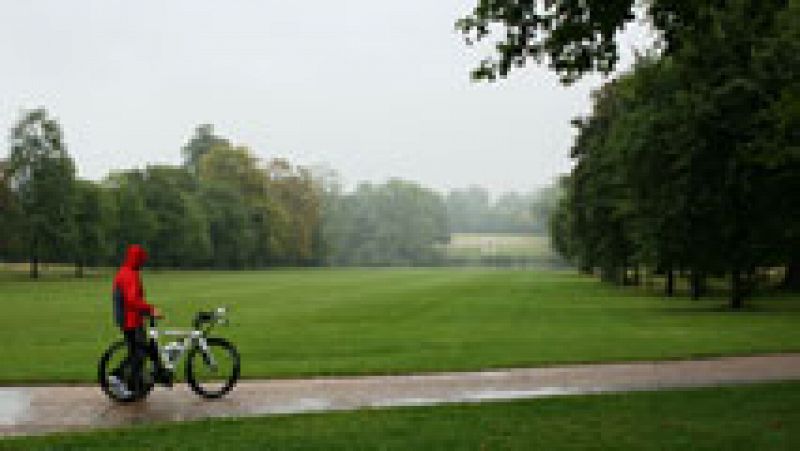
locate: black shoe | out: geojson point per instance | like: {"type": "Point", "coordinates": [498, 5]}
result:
{"type": "Point", "coordinates": [164, 377]}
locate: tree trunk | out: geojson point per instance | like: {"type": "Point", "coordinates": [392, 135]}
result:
{"type": "Point", "coordinates": [670, 285]}
{"type": "Point", "coordinates": [737, 295]}
{"type": "Point", "coordinates": [607, 274]}
{"type": "Point", "coordinates": [697, 284]}
{"type": "Point", "coordinates": [636, 277]}
{"type": "Point", "coordinates": [34, 267]}
{"type": "Point", "coordinates": [79, 269]}
{"type": "Point", "coordinates": [791, 279]}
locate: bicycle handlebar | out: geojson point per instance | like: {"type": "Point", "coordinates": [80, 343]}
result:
{"type": "Point", "coordinates": [202, 317]}
{"type": "Point", "coordinates": [152, 318]}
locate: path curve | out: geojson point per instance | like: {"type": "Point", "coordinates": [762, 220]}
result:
{"type": "Point", "coordinates": [37, 410]}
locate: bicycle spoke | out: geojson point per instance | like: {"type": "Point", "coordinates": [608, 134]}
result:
{"type": "Point", "coordinates": [214, 369]}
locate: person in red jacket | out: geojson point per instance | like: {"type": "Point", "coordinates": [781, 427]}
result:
{"type": "Point", "coordinates": [130, 309]}
{"type": "Point", "coordinates": [128, 289]}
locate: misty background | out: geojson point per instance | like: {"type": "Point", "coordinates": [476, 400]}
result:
{"type": "Point", "coordinates": [371, 89]}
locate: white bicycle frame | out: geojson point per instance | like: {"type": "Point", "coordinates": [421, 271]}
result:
{"type": "Point", "coordinates": [171, 353]}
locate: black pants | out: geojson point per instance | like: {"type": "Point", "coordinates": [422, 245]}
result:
{"type": "Point", "coordinates": [140, 347]}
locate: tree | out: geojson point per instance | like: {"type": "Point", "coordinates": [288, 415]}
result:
{"type": "Point", "coordinates": [297, 198]}
{"type": "Point", "coordinates": [543, 206]}
{"type": "Point", "coordinates": [684, 162]}
{"type": "Point", "coordinates": [133, 222]}
{"type": "Point", "coordinates": [396, 223]}
{"type": "Point", "coordinates": [200, 144]}
{"type": "Point", "coordinates": [741, 67]}
{"type": "Point", "coordinates": [776, 64]}
{"type": "Point", "coordinates": [231, 231]}
{"type": "Point", "coordinates": [41, 175]}
{"type": "Point", "coordinates": [468, 209]}
{"type": "Point", "coordinates": [579, 36]}
{"type": "Point", "coordinates": [232, 173]}
{"type": "Point", "coordinates": [10, 217]}
{"type": "Point", "coordinates": [512, 212]}
{"type": "Point", "coordinates": [90, 245]}
{"type": "Point", "coordinates": [180, 238]}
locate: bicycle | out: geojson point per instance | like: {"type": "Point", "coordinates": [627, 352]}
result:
{"type": "Point", "coordinates": [217, 356]}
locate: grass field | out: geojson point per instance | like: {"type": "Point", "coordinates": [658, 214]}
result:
{"type": "Point", "coordinates": [316, 322]}
{"type": "Point", "coordinates": [757, 417]}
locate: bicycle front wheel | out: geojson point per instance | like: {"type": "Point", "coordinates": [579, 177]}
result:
{"type": "Point", "coordinates": [212, 372]}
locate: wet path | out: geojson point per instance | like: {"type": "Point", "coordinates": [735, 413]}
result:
{"type": "Point", "coordinates": [35, 410]}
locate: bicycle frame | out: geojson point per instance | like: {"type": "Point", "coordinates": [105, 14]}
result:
{"type": "Point", "coordinates": [172, 352]}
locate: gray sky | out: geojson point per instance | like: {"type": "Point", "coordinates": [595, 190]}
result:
{"type": "Point", "coordinates": [372, 88]}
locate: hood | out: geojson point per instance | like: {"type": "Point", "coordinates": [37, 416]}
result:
{"type": "Point", "coordinates": [135, 256]}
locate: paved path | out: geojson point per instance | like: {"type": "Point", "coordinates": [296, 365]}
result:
{"type": "Point", "coordinates": [36, 410]}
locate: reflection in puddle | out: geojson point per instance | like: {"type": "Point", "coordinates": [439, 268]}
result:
{"type": "Point", "coordinates": [518, 394]}
{"type": "Point", "coordinates": [13, 406]}
{"type": "Point", "coordinates": [407, 402]}
{"type": "Point", "coordinates": [300, 406]}
{"type": "Point", "coordinates": [482, 395]}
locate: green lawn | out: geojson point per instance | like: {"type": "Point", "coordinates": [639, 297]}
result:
{"type": "Point", "coordinates": [312, 322]}
{"type": "Point", "coordinates": [758, 417]}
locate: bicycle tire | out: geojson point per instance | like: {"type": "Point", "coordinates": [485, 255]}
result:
{"type": "Point", "coordinates": [102, 376]}
{"type": "Point", "coordinates": [197, 386]}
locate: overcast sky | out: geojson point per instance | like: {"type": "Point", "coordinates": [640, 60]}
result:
{"type": "Point", "coordinates": [373, 89]}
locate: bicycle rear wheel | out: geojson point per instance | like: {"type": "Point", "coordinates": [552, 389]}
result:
{"type": "Point", "coordinates": [114, 362]}
{"type": "Point", "coordinates": [212, 373]}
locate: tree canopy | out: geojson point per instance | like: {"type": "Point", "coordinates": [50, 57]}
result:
{"type": "Point", "coordinates": [684, 162]}
{"type": "Point", "coordinates": [223, 207]}
{"type": "Point", "coordinates": [395, 223]}
{"type": "Point", "coordinates": [575, 37]}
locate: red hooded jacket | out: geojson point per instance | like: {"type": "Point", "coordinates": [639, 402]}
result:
{"type": "Point", "coordinates": [129, 285]}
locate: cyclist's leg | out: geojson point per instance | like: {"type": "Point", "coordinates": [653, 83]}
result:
{"type": "Point", "coordinates": [151, 348]}
{"type": "Point", "coordinates": [135, 340]}
{"type": "Point", "coordinates": [161, 374]}
{"type": "Point", "coordinates": [120, 370]}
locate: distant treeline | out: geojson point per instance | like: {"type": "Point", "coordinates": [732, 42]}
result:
{"type": "Point", "coordinates": [470, 210]}
{"type": "Point", "coordinates": [222, 208]}
{"type": "Point", "coordinates": [691, 161]}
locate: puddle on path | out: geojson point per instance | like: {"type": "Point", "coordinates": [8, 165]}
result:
{"type": "Point", "coordinates": [14, 405]}
{"type": "Point", "coordinates": [486, 395]}
{"type": "Point", "coordinates": [300, 406]}
{"type": "Point", "coordinates": [480, 395]}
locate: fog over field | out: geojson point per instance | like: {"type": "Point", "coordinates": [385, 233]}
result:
{"type": "Point", "coordinates": [372, 89]}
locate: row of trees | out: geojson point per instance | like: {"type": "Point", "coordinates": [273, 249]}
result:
{"type": "Point", "coordinates": [221, 208]}
{"type": "Point", "coordinates": [690, 161]}
{"type": "Point", "coordinates": [395, 223]}
{"type": "Point", "coordinates": [224, 208]}
{"type": "Point", "coordinates": [399, 222]}
{"type": "Point", "coordinates": [471, 210]}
